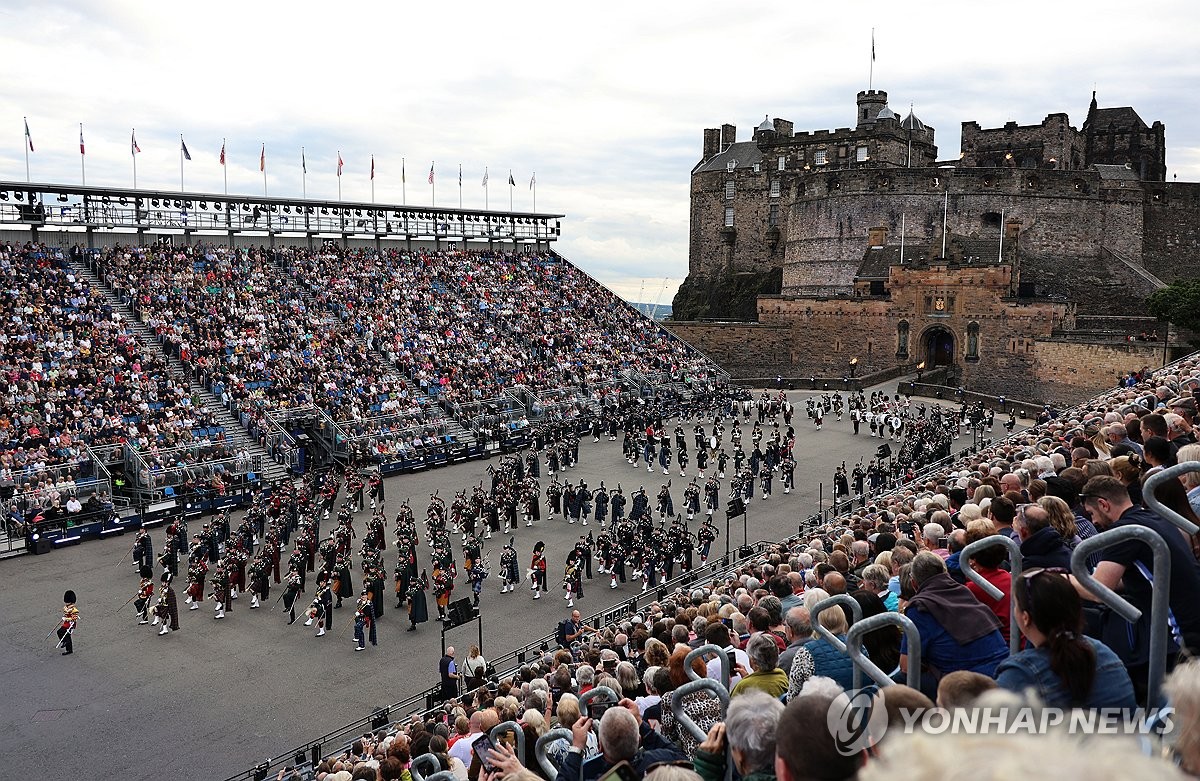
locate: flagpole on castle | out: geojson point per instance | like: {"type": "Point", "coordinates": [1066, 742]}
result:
{"type": "Point", "coordinates": [303, 175]}
{"type": "Point", "coordinates": [460, 185]}
{"type": "Point", "coordinates": [871, 73]}
{"type": "Point", "coordinates": [224, 167]}
{"type": "Point", "coordinates": [82, 159]}
{"type": "Point", "coordinates": [533, 186]}
{"type": "Point", "coordinates": [133, 154]}
{"type": "Point", "coordinates": [403, 184]}
{"type": "Point", "coordinates": [27, 142]}
{"type": "Point", "coordinates": [372, 178]}
{"type": "Point", "coordinates": [485, 188]}
{"type": "Point", "coordinates": [339, 176]}
{"type": "Point", "coordinates": [181, 189]}
{"type": "Point", "coordinates": [262, 163]}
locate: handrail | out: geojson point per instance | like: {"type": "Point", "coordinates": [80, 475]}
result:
{"type": "Point", "coordinates": [1154, 505]}
{"type": "Point", "coordinates": [709, 648]}
{"type": "Point", "coordinates": [1017, 566]}
{"type": "Point", "coordinates": [592, 694]}
{"type": "Point", "coordinates": [424, 759]}
{"type": "Point", "coordinates": [691, 687]}
{"type": "Point", "coordinates": [539, 749]}
{"type": "Point", "coordinates": [843, 600]}
{"type": "Point", "coordinates": [1160, 597]}
{"type": "Point", "coordinates": [514, 727]}
{"type": "Point", "coordinates": [854, 641]}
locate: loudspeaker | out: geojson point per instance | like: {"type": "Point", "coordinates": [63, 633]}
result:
{"type": "Point", "coordinates": [745, 552]}
{"type": "Point", "coordinates": [735, 507]}
{"type": "Point", "coordinates": [39, 546]}
{"type": "Point", "coordinates": [380, 718]}
{"type": "Point", "coordinates": [459, 612]}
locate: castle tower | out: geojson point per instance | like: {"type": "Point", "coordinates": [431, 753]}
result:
{"type": "Point", "coordinates": [870, 103]}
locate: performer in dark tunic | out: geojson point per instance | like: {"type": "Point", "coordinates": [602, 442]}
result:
{"type": "Point", "coordinates": [418, 609]}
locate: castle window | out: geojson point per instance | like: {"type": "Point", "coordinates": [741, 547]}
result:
{"type": "Point", "coordinates": [991, 220]}
{"type": "Point", "coordinates": [732, 164]}
{"type": "Point", "coordinates": [728, 216]}
{"type": "Point", "coordinates": [774, 188]}
{"type": "Point", "coordinates": [773, 216]}
{"type": "Point", "coordinates": [860, 154]}
{"type": "Point", "coordinates": [819, 158]}
{"type": "Point", "coordinates": [973, 342]}
{"type": "Point", "coordinates": [730, 190]}
{"type": "Point", "coordinates": [782, 164]}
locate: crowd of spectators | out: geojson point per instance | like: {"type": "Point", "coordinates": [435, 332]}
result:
{"type": "Point", "coordinates": [902, 553]}
{"type": "Point", "coordinates": [73, 376]}
{"type": "Point", "coordinates": [466, 325]}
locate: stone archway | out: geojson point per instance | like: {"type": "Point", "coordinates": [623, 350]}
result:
{"type": "Point", "coordinates": [938, 342]}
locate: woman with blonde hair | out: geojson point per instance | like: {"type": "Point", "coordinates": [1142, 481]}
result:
{"type": "Point", "coordinates": [1062, 519]}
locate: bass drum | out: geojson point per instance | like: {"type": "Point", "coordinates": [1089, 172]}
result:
{"type": "Point", "coordinates": [712, 442]}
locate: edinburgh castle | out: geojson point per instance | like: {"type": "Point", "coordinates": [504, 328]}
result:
{"type": "Point", "coordinates": [1014, 266]}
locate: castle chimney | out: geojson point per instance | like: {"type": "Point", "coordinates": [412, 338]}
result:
{"type": "Point", "coordinates": [728, 136]}
{"type": "Point", "coordinates": [877, 237]}
{"type": "Point", "coordinates": [712, 142]}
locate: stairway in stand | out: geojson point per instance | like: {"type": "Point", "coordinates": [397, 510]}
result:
{"type": "Point", "coordinates": [234, 430]}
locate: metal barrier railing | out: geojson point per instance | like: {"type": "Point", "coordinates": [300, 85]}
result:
{"type": "Point", "coordinates": [722, 657]}
{"type": "Point", "coordinates": [539, 749]}
{"type": "Point", "coordinates": [414, 767]}
{"type": "Point", "coordinates": [838, 600]}
{"type": "Point", "coordinates": [854, 642]}
{"type": "Point", "coordinates": [691, 687]}
{"type": "Point", "coordinates": [591, 694]}
{"type": "Point", "coordinates": [1154, 505]}
{"type": "Point", "coordinates": [1160, 599]}
{"type": "Point", "coordinates": [518, 732]}
{"type": "Point", "coordinates": [1017, 566]}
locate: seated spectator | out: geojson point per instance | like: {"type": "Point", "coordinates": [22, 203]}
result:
{"type": "Point", "coordinates": [1182, 686]}
{"type": "Point", "coordinates": [957, 633]}
{"type": "Point", "coordinates": [988, 563]}
{"type": "Point", "coordinates": [804, 746]}
{"type": "Point", "coordinates": [960, 688]}
{"type": "Point", "coordinates": [882, 645]}
{"type": "Point", "coordinates": [1066, 668]}
{"type": "Point", "coordinates": [829, 662]}
{"type": "Point", "coordinates": [1041, 544]}
{"type": "Point", "coordinates": [702, 707]}
{"type": "Point", "coordinates": [766, 676]}
{"type": "Point", "coordinates": [798, 626]}
{"type": "Point", "coordinates": [624, 737]}
{"type": "Point", "coordinates": [749, 732]}
{"type": "Point", "coordinates": [875, 579]}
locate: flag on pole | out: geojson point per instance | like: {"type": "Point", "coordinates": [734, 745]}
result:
{"type": "Point", "coordinates": [511, 182]}
{"type": "Point", "coordinates": [133, 147]}
{"type": "Point", "coordinates": [262, 159]}
{"type": "Point", "coordinates": [533, 180]}
{"type": "Point", "coordinates": [303, 162]}
{"type": "Point", "coordinates": [460, 174]}
{"type": "Point", "coordinates": [372, 168]}
{"type": "Point", "coordinates": [183, 147]}
{"type": "Point", "coordinates": [431, 173]}
{"type": "Point", "coordinates": [872, 44]}
{"type": "Point", "coordinates": [339, 163]}
{"type": "Point", "coordinates": [81, 139]}
{"type": "Point", "coordinates": [403, 180]}
{"type": "Point", "coordinates": [28, 138]}
{"type": "Point", "coordinates": [222, 153]}
{"type": "Point", "coordinates": [484, 177]}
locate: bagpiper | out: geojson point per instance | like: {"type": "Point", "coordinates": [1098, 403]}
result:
{"type": "Point", "coordinates": [510, 574]}
{"type": "Point", "coordinates": [573, 578]}
{"type": "Point", "coordinates": [537, 570]}
{"type": "Point", "coordinates": [145, 591]}
{"type": "Point", "coordinates": [364, 621]}
{"type": "Point", "coordinates": [166, 609]}
{"type": "Point", "coordinates": [418, 609]}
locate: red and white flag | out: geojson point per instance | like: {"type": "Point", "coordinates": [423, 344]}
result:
{"type": "Point", "coordinates": [222, 153]}
{"type": "Point", "coordinates": [431, 173]}
{"type": "Point", "coordinates": [28, 138]}
{"type": "Point", "coordinates": [81, 149]}
{"type": "Point", "coordinates": [133, 147]}
{"type": "Point", "coordinates": [339, 163]}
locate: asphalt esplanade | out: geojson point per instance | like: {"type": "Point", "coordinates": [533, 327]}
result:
{"type": "Point", "coordinates": [217, 697]}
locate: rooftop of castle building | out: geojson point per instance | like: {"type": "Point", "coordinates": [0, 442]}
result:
{"type": "Point", "coordinates": [743, 154]}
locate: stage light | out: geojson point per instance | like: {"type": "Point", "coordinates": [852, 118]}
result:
{"type": "Point", "coordinates": [204, 205]}
{"type": "Point", "coordinates": [245, 207]}
{"type": "Point", "coordinates": [62, 197]}
{"type": "Point", "coordinates": [324, 210]}
{"type": "Point", "coordinates": [358, 212]}
{"type": "Point", "coordinates": [187, 204]}
{"type": "Point", "coordinates": [287, 209]}
{"type": "Point", "coordinates": [154, 203]}
{"type": "Point", "coordinates": [3, 196]}
{"type": "Point", "coordinates": [36, 536]}
{"type": "Point", "coordinates": [124, 201]}
{"type": "Point", "coordinates": [178, 203]}
{"type": "Point", "coordinates": [20, 196]}
{"type": "Point", "coordinates": [217, 206]}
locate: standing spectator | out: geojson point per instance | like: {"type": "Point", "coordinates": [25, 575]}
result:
{"type": "Point", "coordinates": [448, 670]}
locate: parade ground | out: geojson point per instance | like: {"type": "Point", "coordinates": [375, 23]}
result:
{"type": "Point", "coordinates": [217, 697]}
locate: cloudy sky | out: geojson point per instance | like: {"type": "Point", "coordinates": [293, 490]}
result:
{"type": "Point", "coordinates": [605, 101]}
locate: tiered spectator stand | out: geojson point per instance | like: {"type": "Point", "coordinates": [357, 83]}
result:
{"type": "Point", "coordinates": [165, 489]}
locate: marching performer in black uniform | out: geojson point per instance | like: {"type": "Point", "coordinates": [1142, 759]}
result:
{"type": "Point", "coordinates": [510, 574]}
{"type": "Point", "coordinates": [364, 621]}
{"type": "Point", "coordinates": [418, 608]}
